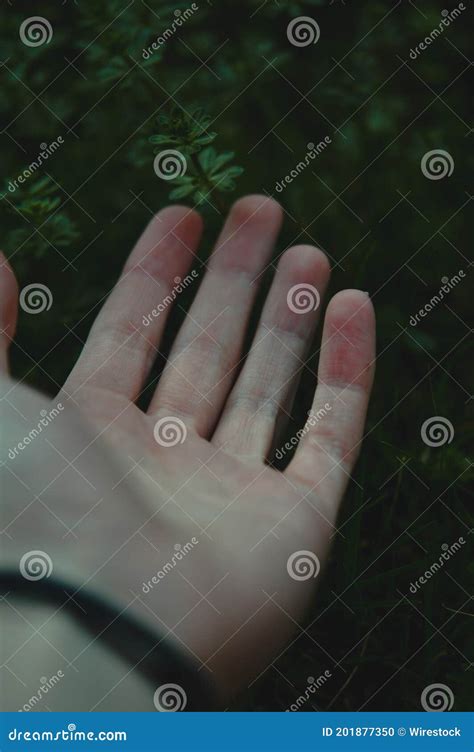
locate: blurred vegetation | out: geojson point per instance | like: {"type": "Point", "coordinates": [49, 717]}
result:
{"type": "Point", "coordinates": [242, 103]}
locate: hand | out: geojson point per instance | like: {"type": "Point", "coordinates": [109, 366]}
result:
{"type": "Point", "coordinates": [133, 490]}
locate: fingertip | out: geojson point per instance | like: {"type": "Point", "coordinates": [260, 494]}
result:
{"type": "Point", "coordinates": [246, 240]}
{"type": "Point", "coordinates": [263, 208]}
{"type": "Point", "coordinates": [348, 347]}
{"type": "Point", "coordinates": [168, 244]}
{"type": "Point", "coordinates": [351, 309]}
{"type": "Point", "coordinates": [179, 216]}
{"type": "Point", "coordinates": [298, 288]}
{"type": "Point", "coordinates": [306, 263]}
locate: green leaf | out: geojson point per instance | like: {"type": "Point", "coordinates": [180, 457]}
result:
{"type": "Point", "coordinates": [182, 191]}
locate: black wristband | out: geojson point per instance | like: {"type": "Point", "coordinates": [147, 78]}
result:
{"type": "Point", "coordinates": [159, 661]}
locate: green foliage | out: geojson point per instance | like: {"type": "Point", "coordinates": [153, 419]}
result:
{"type": "Point", "coordinates": [188, 133]}
{"type": "Point", "coordinates": [211, 173]}
{"type": "Point", "coordinates": [39, 219]}
{"type": "Point", "coordinates": [227, 89]}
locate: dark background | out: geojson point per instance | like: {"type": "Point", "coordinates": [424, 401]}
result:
{"type": "Point", "coordinates": [230, 77]}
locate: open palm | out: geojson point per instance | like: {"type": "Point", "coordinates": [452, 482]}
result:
{"type": "Point", "coordinates": [185, 521]}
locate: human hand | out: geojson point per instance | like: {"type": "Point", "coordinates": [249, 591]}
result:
{"type": "Point", "coordinates": [119, 497]}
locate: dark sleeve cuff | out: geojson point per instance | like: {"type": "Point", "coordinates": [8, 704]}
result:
{"type": "Point", "coordinates": [180, 684]}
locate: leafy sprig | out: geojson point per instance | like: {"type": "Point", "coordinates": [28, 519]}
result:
{"type": "Point", "coordinates": [208, 171]}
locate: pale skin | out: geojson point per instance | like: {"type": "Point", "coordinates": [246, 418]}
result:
{"type": "Point", "coordinates": [230, 601]}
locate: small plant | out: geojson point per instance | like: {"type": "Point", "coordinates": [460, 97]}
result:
{"type": "Point", "coordinates": [40, 221]}
{"type": "Point", "coordinates": [207, 170]}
